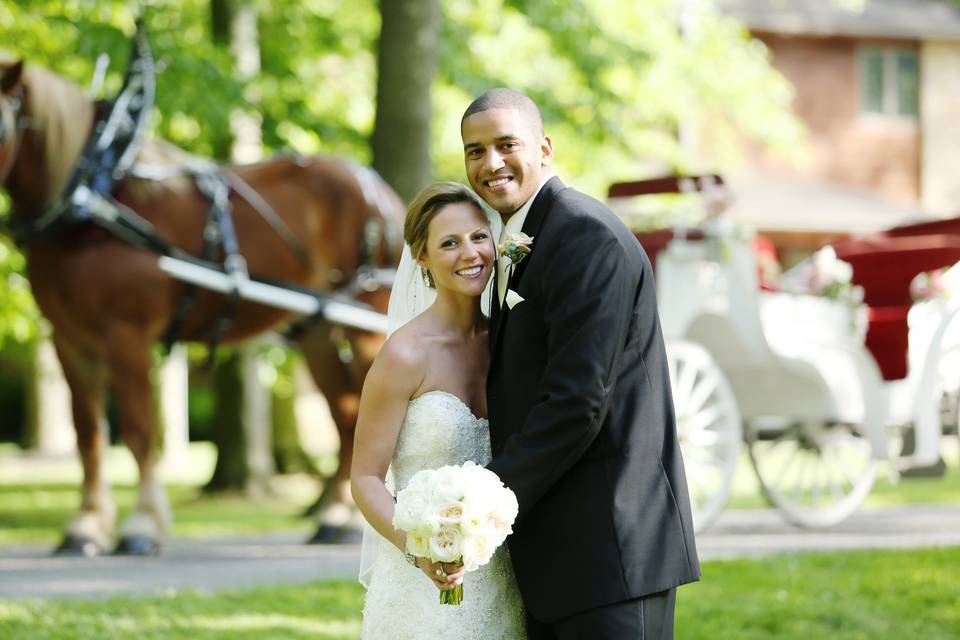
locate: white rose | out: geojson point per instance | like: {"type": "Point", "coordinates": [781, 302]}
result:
{"type": "Point", "coordinates": [446, 545]}
{"type": "Point", "coordinates": [448, 484]}
{"type": "Point", "coordinates": [418, 543]}
{"type": "Point", "coordinates": [449, 513]}
{"type": "Point", "coordinates": [477, 551]}
{"type": "Point", "coordinates": [474, 520]}
{"type": "Point", "coordinates": [410, 509]}
{"type": "Point", "coordinates": [506, 507]}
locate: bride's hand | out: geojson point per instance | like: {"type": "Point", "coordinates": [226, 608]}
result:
{"type": "Point", "coordinates": [445, 576]}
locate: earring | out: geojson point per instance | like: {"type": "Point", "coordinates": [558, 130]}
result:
{"type": "Point", "coordinates": [427, 277]}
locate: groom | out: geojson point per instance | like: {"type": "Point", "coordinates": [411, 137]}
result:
{"type": "Point", "coordinates": [581, 416]}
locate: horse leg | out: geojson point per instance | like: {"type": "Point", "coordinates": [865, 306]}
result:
{"type": "Point", "coordinates": [131, 363]}
{"type": "Point", "coordinates": [337, 515]}
{"type": "Point", "coordinates": [90, 531]}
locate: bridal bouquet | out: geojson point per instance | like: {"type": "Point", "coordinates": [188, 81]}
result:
{"type": "Point", "coordinates": [455, 514]}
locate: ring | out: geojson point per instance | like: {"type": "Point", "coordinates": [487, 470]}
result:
{"type": "Point", "coordinates": [440, 572]}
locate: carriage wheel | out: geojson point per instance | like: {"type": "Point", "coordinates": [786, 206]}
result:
{"type": "Point", "coordinates": [948, 376]}
{"type": "Point", "coordinates": [815, 473]}
{"type": "Point", "coordinates": [708, 428]}
{"type": "Point", "coordinates": [903, 438]}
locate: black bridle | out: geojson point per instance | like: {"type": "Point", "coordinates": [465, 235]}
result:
{"type": "Point", "coordinates": [380, 236]}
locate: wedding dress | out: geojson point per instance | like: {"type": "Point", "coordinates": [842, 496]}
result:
{"type": "Point", "coordinates": [401, 602]}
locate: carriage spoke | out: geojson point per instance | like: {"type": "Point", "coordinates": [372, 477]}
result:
{"type": "Point", "coordinates": [815, 485]}
{"type": "Point", "coordinates": [687, 378]}
{"type": "Point", "coordinates": [835, 490]}
{"type": "Point", "coordinates": [817, 474]}
{"type": "Point", "coordinates": [704, 438]}
{"type": "Point", "coordinates": [672, 365]}
{"type": "Point", "coordinates": [700, 421]}
{"type": "Point", "coordinates": [708, 426]}
{"type": "Point", "coordinates": [697, 457]}
{"type": "Point", "coordinates": [702, 391]}
{"type": "Point", "coordinates": [845, 468]}
{"type": "Point", "coordinates": [798, 490]}
{"type": "Point", "coordinates": [784, 468]}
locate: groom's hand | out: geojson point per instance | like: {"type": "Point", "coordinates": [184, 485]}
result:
{"type": "Point", "coordinates": [445, 576]}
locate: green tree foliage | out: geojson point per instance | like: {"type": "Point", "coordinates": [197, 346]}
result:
{"type": "Point", "coordinates": [616, 79]}
{"type": "Point", "coordinates": [18, 313]}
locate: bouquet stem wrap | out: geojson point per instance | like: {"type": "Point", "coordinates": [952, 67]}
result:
{"type": "Point", "coordinates": [453, 596]}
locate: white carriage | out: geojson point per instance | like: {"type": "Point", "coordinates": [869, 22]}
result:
{"type": "Point", "coordinates": [790, 377]}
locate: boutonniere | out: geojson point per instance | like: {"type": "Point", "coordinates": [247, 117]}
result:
{"type": "Point", "coordinates": [516, 247]}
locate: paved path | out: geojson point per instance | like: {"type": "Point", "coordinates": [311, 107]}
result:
{"type": "Point", "coordinates": [29, 571]}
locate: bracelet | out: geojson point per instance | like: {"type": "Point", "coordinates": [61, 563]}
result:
{"type": "Point", "coordinates": [412, 559]}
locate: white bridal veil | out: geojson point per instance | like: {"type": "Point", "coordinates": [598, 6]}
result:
{"type": "Point", "coordinates": [409, 297]}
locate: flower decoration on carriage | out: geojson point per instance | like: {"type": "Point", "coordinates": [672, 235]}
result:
{"type": "Point", "coordinates": [516, 247]}
{"type": "Point", "coordinates": [824, 274]}
{"type": "Point", "coordinates": [931, 285]}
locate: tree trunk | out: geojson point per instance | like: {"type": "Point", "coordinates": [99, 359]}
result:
{"type": "Point", "coordinates": [407, 62]}
{"type": "Point", "coordinates": [241, 418]}
{"type": "Point", "coordinates": [288, 454]}
{"type": "Point", "coordinates": [231, 471]}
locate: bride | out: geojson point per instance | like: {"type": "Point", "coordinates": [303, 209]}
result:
{"type": "Point", "coordinates": [424, 406]}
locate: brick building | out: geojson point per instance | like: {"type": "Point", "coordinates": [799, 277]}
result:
{"type": "Point", "coordinates": [879, 91]}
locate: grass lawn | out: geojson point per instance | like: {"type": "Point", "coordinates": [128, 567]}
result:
{"type": "Point", "coordinates": [876, 595]}
{"type": "Point", "coordinates": [39, 496]}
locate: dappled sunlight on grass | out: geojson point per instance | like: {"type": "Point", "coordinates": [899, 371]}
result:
{"type": "Point", "coordinates": [40, 495]}
{"type": "Point", "coordinates": [861, 595]}
{"type": "Point", "coordinates": [119, 467]}
{"type": "Point", "coordinates": [278, 624]}
{"type": "Point", "coordinates": [315, 611]}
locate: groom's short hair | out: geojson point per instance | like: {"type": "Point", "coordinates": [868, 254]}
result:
{"type": "Point", "coordinates": [502, 98]}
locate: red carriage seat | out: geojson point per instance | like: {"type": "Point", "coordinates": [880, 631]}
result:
{"type": "Point", "coordinates": [949, 226]}
{"type": "Point", "coordinates": [884, 266]}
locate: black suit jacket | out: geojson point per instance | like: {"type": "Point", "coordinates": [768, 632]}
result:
{"type": "Point", "coordinates": [581, 416]}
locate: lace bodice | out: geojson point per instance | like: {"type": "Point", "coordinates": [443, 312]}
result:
{"type": "Point", "coordinates": [401, 602]}
{"type": "Point", "coordinates": [439, 429]}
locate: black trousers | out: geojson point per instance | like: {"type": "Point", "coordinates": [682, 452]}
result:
{"type": "Point", "coordinates": [648, 618]}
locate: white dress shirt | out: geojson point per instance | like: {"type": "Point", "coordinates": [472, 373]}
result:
{"type": "Point", "coordinates": [514, 225]}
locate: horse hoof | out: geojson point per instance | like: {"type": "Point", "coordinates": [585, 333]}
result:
{"type": "Point", "coordinates": [349, 535]}
{"type": "Point", "coordinates": [74, 545]}
{"type": "Point", "coordinates": [329, 534]}
{"type": "Point", "coordinates": [137, 546]}
{"type": "Point", "coordinates": [326, 534]}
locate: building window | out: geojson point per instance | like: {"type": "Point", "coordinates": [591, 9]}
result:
{"type": "Point", "coordinates": [889, 81]}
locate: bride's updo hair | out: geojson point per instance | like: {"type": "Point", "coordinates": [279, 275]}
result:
{"type": "Point", "coordinates": [427, 205]}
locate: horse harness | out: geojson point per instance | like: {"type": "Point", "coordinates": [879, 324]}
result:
{"type": "Point", "coordinates": [12, 123]}
{"type": "Point", "coordinates": [108, 157]}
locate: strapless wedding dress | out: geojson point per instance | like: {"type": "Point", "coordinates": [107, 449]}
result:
{"type": "Point", "coordinates": [401, 602]}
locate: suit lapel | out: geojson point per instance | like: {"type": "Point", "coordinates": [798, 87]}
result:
{"type": "Point", "coordinates": [495, 312]}
{"type": "Point", "coordinates": [531, 226]}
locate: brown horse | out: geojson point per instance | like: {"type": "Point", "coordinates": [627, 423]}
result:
{"type": "Point", "coordinates": [109, 303]}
